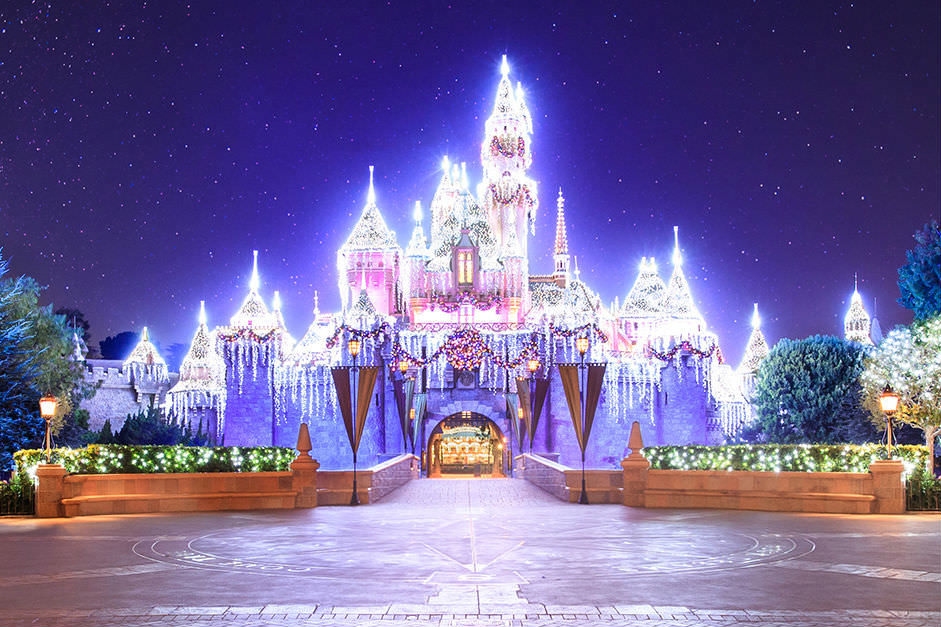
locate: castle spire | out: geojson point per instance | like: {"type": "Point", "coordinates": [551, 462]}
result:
{"type": "Point", "coordinates": [316, 304]}
{"type": "Point", "coordinates": [202, 312]}
{"type": "Point", "coordinates": [677, 255]}
{"type": "Point", "coordinates": [253, 282]}
{"type": "Point", "coordinates": [561, 251]}
{"type": "Point", "coordinates": [857, 323]}
{"type": "Point", "coordinates": [371, 194]}
{"type": "Point", "coordinates": [756, 349]}
{"type": "Point", "coordinates": [561, 240]}
{"type": "Point", "coordinates": [678, 300]}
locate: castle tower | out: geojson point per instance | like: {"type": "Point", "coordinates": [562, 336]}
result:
{"type": "Point", "coordinates": [683, 318]}
{"type": "Point", "coordinates": [416, 257]}
{"type": "Point", "coordinates": [856, 324]}
{"type": "Point", "coordinates": [198, 398]}
{"type": "Point", "coordinates": [505, 192]}
{"type": "Point", "coordinates": [369, 259]}
{"type": "Point", "coordinates": [251, 348]}
{"type": "Point", "coordinates": [146, 372]}
{"type": "Point", "coordinates": [561, 250]}
{"type": "Point", "coordinates": [757, 348]}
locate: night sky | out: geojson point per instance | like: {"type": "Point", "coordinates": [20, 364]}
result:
{"type": "Point", "coordinates": [147, 148]}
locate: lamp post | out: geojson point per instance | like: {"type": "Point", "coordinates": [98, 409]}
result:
{"type": "Point", "coordinates": [47, 409]}
{"type": "Point", "coordinates": [582, 345]}
{"type": "Point", "coordinates": [889, 402]}
{"type": "Point", "coordinates": [354, 346]}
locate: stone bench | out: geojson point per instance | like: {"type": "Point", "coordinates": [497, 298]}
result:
{"type": "Point", "coordinates": [764, 500]}
{"type": "Point", "coordinates": [148, 503]}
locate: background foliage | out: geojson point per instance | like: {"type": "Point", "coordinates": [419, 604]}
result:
{"type": "Point", "coordinates": [808, 391]}
{"type": "Point", "coordinates": [920, 278]}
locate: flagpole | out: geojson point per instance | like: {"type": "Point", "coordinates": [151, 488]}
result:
{"type": "Point", "coordinates": [354, 351]}
{"type": "Point", "coordinates": [582, 345]}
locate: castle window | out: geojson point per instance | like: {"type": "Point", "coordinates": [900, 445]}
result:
{"type": "Point", "coordinates": [465, 267]}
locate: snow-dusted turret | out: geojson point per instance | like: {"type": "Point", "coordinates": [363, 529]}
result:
{"type": "Point", "coordinates": [145, 363]}
{"type": "Point", "coordinates": [202, 379]}
{"type": "Point", "coordinates": [757, 348]}
{"type": "Point", "coordinates": [856, 324]}
{"type": "Point", "coordinates": [369, 259]}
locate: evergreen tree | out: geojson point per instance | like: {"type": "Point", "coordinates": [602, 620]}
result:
{"type": "Point", "coordinates": [20, 423]}
{"type": "Point", "coordinates": [105, 436]}
{"type": "Point", "coordinates": [150, 427]}
{"type": "Point", "coordinates": [920, 278]}
{"type": "Point", "coordinates": [808, 391]}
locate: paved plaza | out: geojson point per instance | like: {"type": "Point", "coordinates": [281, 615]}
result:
{"type": "Point", "coordinates": [472, 552]}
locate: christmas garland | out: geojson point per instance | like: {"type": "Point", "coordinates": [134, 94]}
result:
{"type": "Point", "coordinates": [382, 330]}
{"type": "Point", "coordinates": [499, 147]}
{"type": "Point", "coordinates": [521, 193]}
{"type": "Point", "coordinates": [583, 331]}
{"type": "Point", "coordinates": [465, 298]}
{"type": "Point", "coordinates": [668, 355]}
{"type": "Point", "coordinates": [248, 334]}
{"type": "Point", "coordinates": [465, 349]}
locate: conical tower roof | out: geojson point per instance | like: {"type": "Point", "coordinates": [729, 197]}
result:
{"type": "Point", "coordinates": [363, 307]}
{"type": "Point", "coordinates": [418, 245]}
{"type": "Point", "coordinates": [678, 301]}
{"type": "Point", "coordinates": [254, 312]}
{"type": "Point", "coordinates": [145, 353]}
{"type": "Point", "coordinates": [856, 324]}
{"type": "Point", "coordinates": [202, 368]}
{"type": "Point", "coordinates": [370, 231]}
{"type": "Point", "coordinates": [505, 102]}
{"type": "Point", "coordinates": [756, 349]}
{"type": "Point", "coordinates": [646, 296]}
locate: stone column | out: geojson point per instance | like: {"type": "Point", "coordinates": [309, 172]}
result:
{"type": "Point", "coordinates": [50, 491]}
{"type": "Point", "coordinates": [635, 470]}
{"type": "Point", "coordinates": [888, 486]}
{"type": "Point", "coordinates": [304, 472]}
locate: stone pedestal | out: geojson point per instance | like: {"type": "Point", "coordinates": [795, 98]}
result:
{"type": "Point", "coordinates": [888, 486]}
{"type": "Point", "coordinates": [635, 479]}
{"type": "Point", "coordinates": [304, 481]}
{"type": "Point", "coordinates": [50, 491]}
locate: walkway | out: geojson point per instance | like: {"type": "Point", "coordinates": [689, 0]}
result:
{"type": "Point", "coordinates": [473, 552]}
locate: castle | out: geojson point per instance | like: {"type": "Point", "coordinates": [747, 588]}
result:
{"type": "Point", "coordinates": [459, 312]}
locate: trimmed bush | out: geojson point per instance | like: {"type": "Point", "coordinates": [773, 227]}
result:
{"type": "Point", "coordinates": [783, 457]}
{"type": "Point", "coordinates": [100, 459]}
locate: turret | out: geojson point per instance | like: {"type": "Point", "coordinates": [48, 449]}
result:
{"type": "Point", "coordinates": [561, 250]}
{"type": "Point", "coordinates": [678, 305]}
{"type": "Point", "coordinates": [145, 363]}
{"type": "Point", "coordinates": [369, 259]}
{"type": "Point", "coordinates": [756, 349]}
{"type": "Point", "coordinates": [199, 395]}
{"type": "Point", "coordinates": [507, 195]}
{"type": "Point", "coordinates": [856, 324]}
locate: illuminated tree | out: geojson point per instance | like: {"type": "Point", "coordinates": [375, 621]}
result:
{"type": "Point", "coordinates": [909, 360]}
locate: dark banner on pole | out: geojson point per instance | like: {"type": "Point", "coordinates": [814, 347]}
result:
{"type": "Point", "coordinates": [542, 388]}
{"type": "Point", "coordinates": [367, 381]}
{"type": "Point", "coordinates": [419, 406]}
{"type": "Point", "coordinates": [341, 382]}
{"type": "Point", "coordinates": [592, 394]}
{"type": "Point", "coordinates": [403, 389]}
{"type": "Point", "coordinates": [516, 404]}
{"type": "Point", "coordinates": [569, 375]}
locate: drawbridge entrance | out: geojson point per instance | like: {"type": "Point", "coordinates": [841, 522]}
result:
{"type": "Point", "coordinates": [466, 444]}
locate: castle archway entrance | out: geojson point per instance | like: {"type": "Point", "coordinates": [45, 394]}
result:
{"type": "Point", "coordinates": [466, 444]}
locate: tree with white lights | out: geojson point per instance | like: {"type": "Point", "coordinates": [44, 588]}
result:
{"type": "Point", "coordinates": [909, 361]}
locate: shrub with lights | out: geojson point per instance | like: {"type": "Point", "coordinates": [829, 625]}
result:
{"type": "Point", "coordinates": [784, 457]}
{"type": "Point", "coordinates": [98, 459]}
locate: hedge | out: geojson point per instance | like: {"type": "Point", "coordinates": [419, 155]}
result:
{"type": "Point", "coordinates": [98, 459]}
{"type": "Point", "coordinates": [783, 457]}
